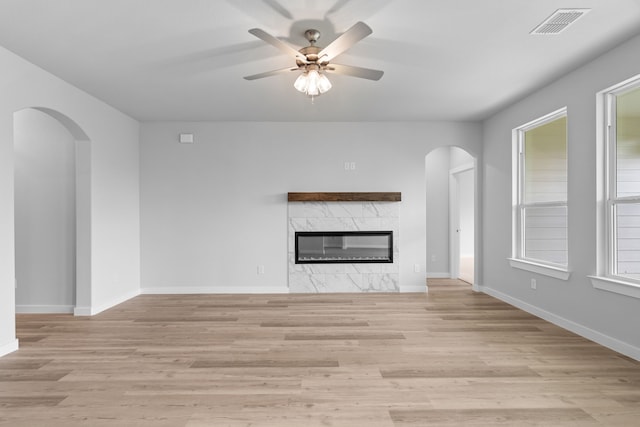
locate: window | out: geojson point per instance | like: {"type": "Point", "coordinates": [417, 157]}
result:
{"type": "Point", "coordinates": [622, 137]}
{"type": "Point", "coordinates": [540, 193]}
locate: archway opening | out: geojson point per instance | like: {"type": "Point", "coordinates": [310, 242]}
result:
{"type": "Point", "coordinates": [52, 260]}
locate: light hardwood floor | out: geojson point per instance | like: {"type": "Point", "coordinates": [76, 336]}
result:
{"type": "Point", "coordinates": [449, 358]}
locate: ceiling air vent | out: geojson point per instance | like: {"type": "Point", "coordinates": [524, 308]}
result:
{"type": "Point", "coordinates": [559, 21]}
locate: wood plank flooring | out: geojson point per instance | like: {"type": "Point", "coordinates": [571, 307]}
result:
{"type": "Point", "coordinates": [449, 358]}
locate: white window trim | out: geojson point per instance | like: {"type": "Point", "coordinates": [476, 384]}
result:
{"type": "Point", "coordinates": [544, 269]}
{"type": "Point", "coordinates": [517, 259]}
{"type": "Point", "coordinates": [617, 286]}
{"type": "Point", "coordinates": [606, 172]}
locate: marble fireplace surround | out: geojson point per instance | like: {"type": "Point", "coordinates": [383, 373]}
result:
{"type": "Point", "coordinates": [343, 212]}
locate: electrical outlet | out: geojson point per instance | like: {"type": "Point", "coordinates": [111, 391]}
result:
{"type": "Point", "coordinates": [433, 258]}
{"type": "Point", "coordinates": [416, 268]}
{"type": "Point", "coordinates": [347, 166]}
{"type": "Point", "coordinates": [352, 166]}
{"type": "Point", "coordinates": [261, 269]}
{"type": "Point", "coordinates": [534, 284]}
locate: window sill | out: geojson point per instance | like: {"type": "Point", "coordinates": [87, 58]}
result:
{"type": "Point", "coordinates": [546, 270]}
{"type": "Point", "coordinates": [616, 286]}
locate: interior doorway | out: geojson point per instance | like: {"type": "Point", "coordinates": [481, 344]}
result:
{"type": "Point", "coordinates": [52, 232]}
{"type": "Point", "coordinates": [451, 214]}
{"type": "Point", "coordinates": [461, 222]}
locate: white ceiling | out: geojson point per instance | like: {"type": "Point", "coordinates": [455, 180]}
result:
{"type": "Point", "coordinates": [185, 59]}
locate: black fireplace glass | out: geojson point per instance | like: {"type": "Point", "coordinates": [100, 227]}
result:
{"type": "Point", "coordinates": [327, 247]}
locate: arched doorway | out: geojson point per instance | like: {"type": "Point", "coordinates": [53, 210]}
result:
{"type": "Point", "coordinates": [452, 214]}
{"type": "Point", "coordinates": [52, 226]}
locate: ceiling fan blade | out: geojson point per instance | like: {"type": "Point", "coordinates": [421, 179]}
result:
{"type": "Point", "coordinates": [350, 37]}
{"type": "Point", "coordinates": [339, 4]}
{"type": "Point", "coordinates": [263, 35]}
{"type": "Point", "coordinates": [280, 9]}
{"type": "Point", "coordinates": [269, 73]}
{"type": "Point", "coordinates": [348, 70]}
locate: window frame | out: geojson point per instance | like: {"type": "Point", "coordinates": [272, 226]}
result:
{"type": "Point", "coordinates": [518, 258]}
{"type": "Point", "coordinates": [610, 167]}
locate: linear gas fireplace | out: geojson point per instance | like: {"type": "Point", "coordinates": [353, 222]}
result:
{"type": "Point", "coordinates": [329, 247]}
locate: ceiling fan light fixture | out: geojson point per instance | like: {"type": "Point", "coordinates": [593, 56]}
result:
{"type": "Point", "coordinates": [312, 61]}
{"type": "Point", "coordinates": [312, 83]}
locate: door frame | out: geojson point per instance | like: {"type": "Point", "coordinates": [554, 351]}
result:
{"type": "Point", "coordinates": [454, 218]}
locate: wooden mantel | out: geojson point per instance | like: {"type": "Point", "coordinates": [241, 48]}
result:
{"type": "Point", "coordinates": [345, 197]}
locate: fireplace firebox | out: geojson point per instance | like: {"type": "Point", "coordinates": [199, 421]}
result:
{"type": "Point", "coordinates": [329, 247]}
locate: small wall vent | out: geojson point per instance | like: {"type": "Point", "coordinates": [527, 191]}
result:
{"type": "Point", "coordinates": [559, 21]}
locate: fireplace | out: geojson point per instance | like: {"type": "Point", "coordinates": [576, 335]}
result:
{"type": "Point", "coordinates": [334, 247]}
{"type": "Point", "coordinates": [330, 236]}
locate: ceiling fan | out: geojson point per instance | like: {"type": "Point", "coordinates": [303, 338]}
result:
{"type": "Point", "coordinates": [314, 61]}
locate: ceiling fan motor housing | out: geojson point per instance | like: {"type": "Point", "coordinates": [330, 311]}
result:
{"type": "Point", "coordinates": [311, 53]}
{"type": "Point", "coordinates": [312, 35]}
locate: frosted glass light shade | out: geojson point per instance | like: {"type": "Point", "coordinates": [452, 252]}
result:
{"type": "Point", "coordinates": [301, 83]}
{"type": "Point", "coordinates": [313, 79]}
{"type": "Point", "coordinates": [312, 83]}
{"type": "Point", "coordinates": [323, 83]}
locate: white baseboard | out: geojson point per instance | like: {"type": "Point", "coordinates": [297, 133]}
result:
{"type": "Point", "coordinates": [441, 275]}
{"type": "Point", "coordinates": [82, 311]}
{"type": "Point", "coordinates": [93, 310]}
{"type": "Point", "coordinates": [177, 290]}
{"type": "Point", "coordinates": [215, 290]}
{"type": "Point", "coordinates": [595, 336]}
{"type": "Point", "coordinates": [44, 309]}
{"type": "Point", "coordinates": [9, 347]}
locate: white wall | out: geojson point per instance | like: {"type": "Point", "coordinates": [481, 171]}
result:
{"type": "Point", "coordinates": [607, 317]}
{"type": "Point", "coordinates": [437, 193]}
{"type": "Point", "coordinates": [45, 205]}
{"type": "Point", "coordinates": [459, 157]}
{"type": "Point", "coordinates": [201, 203]}
{"type": "Point", "coordinates": [114, 186]}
